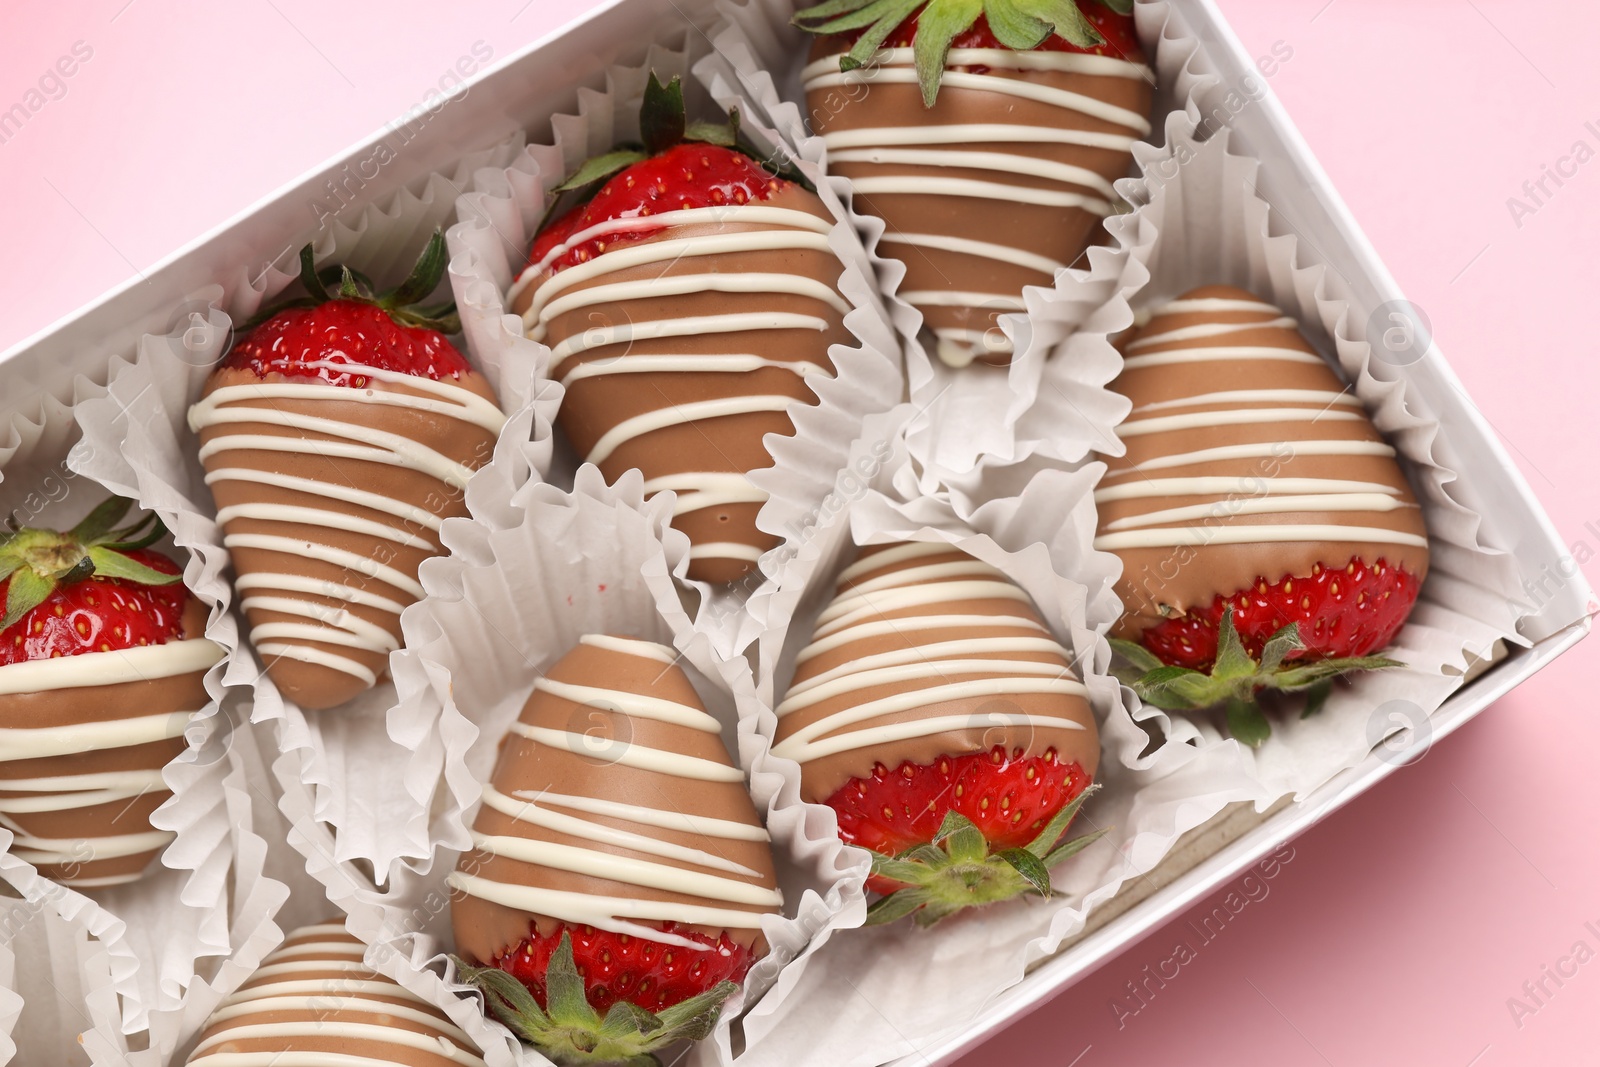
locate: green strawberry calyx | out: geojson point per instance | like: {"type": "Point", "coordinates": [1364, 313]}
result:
{"type": "Point", "coordinates": [571, 1033]}
{"type": "Point", "coordinates": [1021, 25]}
{"type": "Point", "coordinates": [403, 302]}
{"type": "Point", "coordinates": [1236, 679]}
{"type": "Point", "coordinates": [956, 870]}
{"type": "Point", "coordinates": [664, 124]}
{"type": "Point", "coordinates": [37, 562]}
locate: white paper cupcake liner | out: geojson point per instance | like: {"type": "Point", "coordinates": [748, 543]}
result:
{"type": "Point", "coordinates": [188, 938]}
{"type": "Point", "coordinates": [1201, 222]}
{"type": "Point", "coordinates": [527, 576]}
{"type": "Point", "coordinates": [147, 408]}
{"type": "Point", "coordinates": [376, 798]}
{"type": "Point", "coordinates": [137, 441]}
{"type": "Point", "coordinates": [159, 938]}
{"type": "Point", "coordinates": [977, 415]}
{"type": "Point", "coordinates": [56, 971]}
{"type": "Point", "coordinates": [119, 967]}
{"type": "Point", "coordinates": [490, 247]}
{"type": "Point", "coordinates": [871, 995]}
{"type": "Point", "coordinates": [328, 751]}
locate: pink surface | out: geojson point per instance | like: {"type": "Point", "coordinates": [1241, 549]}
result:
{"type": "Point", "coordinates": [1402, 929]}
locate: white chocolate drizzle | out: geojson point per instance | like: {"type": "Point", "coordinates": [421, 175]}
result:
{"type": "Point", "coordinates": [581, 287]}
{"type": "Point", "coordinates": [900, 158]}
{"type": "Point", "coordinates": [635, 853]}
{"type": "Point", "coordinates": [113, 667]}
{"type": "Point", "coordinates": [308, 995]}
{"type": "Point", "coordinates": [919, 674]}
{"type": "Point", "coordinates": [1243, 478]}
{"type": "Point", "coordinates": [57, 793]}
{"type": "Point", "coordinates": [258, 404]}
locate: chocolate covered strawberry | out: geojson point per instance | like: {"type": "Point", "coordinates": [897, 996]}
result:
{"type": "Point", "coordinates": [1269, 538]}
{"type": "Point", "coordinates": [686, 298]}
{"type": "Point", "coordinates": [940, 719]}
{"type": "Point", "coordinates": [337, 437]}
{"type": "Point", "coordinates": [986, 134]}
{"type": "Point", "coordinates": [102, 661]}
{"type": "Point", "coordinates": [314, 1000]}
{"type": "Point", "coordinates": [613, 896]}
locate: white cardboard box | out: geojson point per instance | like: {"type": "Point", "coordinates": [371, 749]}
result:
{"type": "Point", "coordinates": [526, 88]}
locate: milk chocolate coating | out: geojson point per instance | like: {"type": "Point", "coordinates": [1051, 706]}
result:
{"type": "Point", "coordinates": [1057, 232]}
{"type": "Point", "coordinates": [311, 684]}
{"type": "Point", "coordinates": [1169, 580]}
{"type": "Point", "coordinates": [86, 824]}
{"type": "Point", "coordinates": [722, 444]}
{"type": "Point", "coordinates": [903, 618]}
{"type": "Point", "coordinates": [527, 768]}
{"type": "Point", "coordinates": [313, 997]}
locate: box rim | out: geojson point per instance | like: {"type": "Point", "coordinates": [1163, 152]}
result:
{"type": "Point", "coordinates": [1059, 973]}
{"type": "Point", "coordinates": [1565, 615]}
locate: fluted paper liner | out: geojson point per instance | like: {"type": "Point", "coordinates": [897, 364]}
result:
{"type": "Point", "coordinates": [530, 572]}
{"type": "Point", "coordinates": [1201, 222]}
{"type": "Point", "coordinates": [137, 441]}
{"type": "Point", "coordinates": [875, 994]}
{"type": "Point", "coordinates": [144, 949]}
{"type": "Point", "coordinates": [55, 970]}
{"type": "Point", "coordinates": [490, 246]}
{"type": "Point", "coordinates": [970, 417]}
{"type": "Point", "coordinates": [381, 796]}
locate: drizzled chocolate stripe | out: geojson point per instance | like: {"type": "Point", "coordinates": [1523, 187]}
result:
{"type": "Point", "coordinates": [1247, 458]}
{"type": "Point", "coordinates": [614, 805]}
{"type": "Point", "coordinates": [927, 652]}
{"type": "Point", "coordinates": [330, 498]}
{"type": "Point", "coordinates": [681, 350]}
{"type": "Point", "coordinates": [313, 1002]}
{"type": "Point", "coordinates": [998, 186]}
{"type": "Point", "coordinates": [82, 745]}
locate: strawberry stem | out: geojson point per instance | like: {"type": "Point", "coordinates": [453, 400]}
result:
{"type": "Point", "coordinates": [402, 302]}
{"type": "Point", "coordinates": [662, 120]}
{"type": "Point", "coordinates": [1021, 25]}
{"type": "Point", "coordinates": [36, 562]}
{"type": "Point", "coordinates": [956, 870]}
{"type": "Point", "coordinates": [663, 125]}
{"type": "Point", "coordinates": [1236, 679]}
{"type": "Point", "coordinates": [572, 1033]}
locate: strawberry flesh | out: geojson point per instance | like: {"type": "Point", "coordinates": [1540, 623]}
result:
{"type": "Point", "coordinates": [98, 615]}
{"type": "Point", "coordinates": [1121, 39]}
{"type": "Point", "coordinates": [689, 175]}
{"type": "Point", "coordinates": [1353, 610]}
{"type": "Point", "coordinates": [616, 967]}
{"type": "Point", "coordinates": [294, 340]}
{"type": "Point", "coordinates": [1009, 798]}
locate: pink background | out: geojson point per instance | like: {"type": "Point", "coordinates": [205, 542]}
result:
{"type": "Point", "coordinates": [1402, 926]}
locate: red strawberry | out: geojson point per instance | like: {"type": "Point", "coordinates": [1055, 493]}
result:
{"type": "Point", "coordinates": [295, 340]}
{"type": "Point", "coordinates": [1269, 539]}
{"type": "Point", "coordinates": [687, 304]}
{"type": "Point", "coordinates": [619, 968]}
{"type": "Point", "coordinates": [99, 614]}
{"type": "Point", "coordinates": [353, 325]}
{"type": "Point", "coordinates": [92, 589]}
{"type": "Point", "coordinates": [331, 499]}
{"type": "Point", "coordinates": [104, 658]}
{"type": "Point", "coordinates": [1353, 610]}
{"type": "Point", "coordinates": [939, 718]}
{"type": "Point", "coordinates": [1116, 32]}
{"type": "Point", "coordinates": [1011, 799]}
{"type": "Point", "coordinates": [987, 134]}
{"type": "Point", "coordinates": [615, 893]}
{"type": "Point", "coordinates": [685, 176]}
